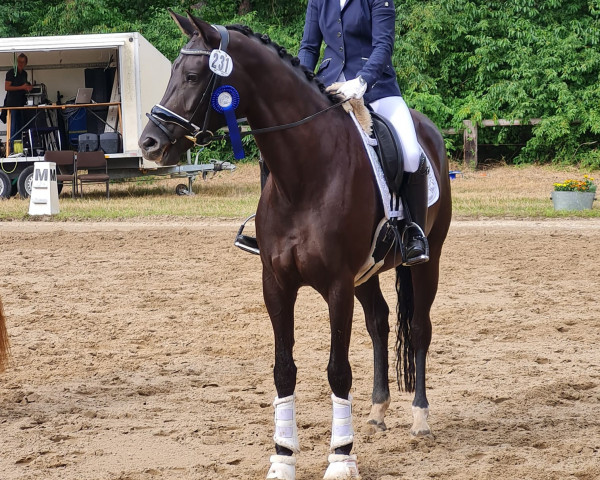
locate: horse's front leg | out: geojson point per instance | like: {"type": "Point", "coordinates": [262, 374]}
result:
{"type": "Point", "coordinates": [340, 299]}
{"type": "Point", "coordinates": [280, 303]}
{"type": "Point", "coordinates": [376, 317]}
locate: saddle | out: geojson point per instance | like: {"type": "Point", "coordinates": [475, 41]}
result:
{"type": "Point", "coordinates": [389, 152]}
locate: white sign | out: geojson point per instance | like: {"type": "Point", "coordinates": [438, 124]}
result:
{"type": "Point", "coordinates": [44, 190]}
{"type": "Point", "coordinates": [220, 63]}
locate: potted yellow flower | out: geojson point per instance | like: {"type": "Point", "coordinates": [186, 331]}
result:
{"type": "Point", "coordinates": [574, 194]}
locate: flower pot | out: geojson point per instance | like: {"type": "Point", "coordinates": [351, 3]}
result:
{"type": "Point", "coordinates": [572, 200]}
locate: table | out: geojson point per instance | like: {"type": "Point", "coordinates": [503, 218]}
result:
{"type": "Point", "coordinates": [39, 108]}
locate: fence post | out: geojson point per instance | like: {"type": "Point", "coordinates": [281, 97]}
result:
{"type": "Point", "coordinates": [470, 144]}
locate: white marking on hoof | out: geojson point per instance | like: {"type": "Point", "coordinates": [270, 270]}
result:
{"type": "Point", "coordinates": [377, 415]}
{"type": "Point", "coordinates": [420, 427]}
{"type": "Point", "coordinates": [282, 468]}
{"type": "Point", "coordinates": [342, 467]}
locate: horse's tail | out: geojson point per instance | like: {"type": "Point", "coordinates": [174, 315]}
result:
{"type": "Point", "coordinates": [405, 354]}
{"type": "Point", "coordinates": [4, 345]}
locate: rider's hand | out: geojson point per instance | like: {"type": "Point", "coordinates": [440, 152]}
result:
{"type": "Point", "coordinates": [353, 88]}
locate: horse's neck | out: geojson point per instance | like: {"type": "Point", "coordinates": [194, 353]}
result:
{"type": "Point", "coordinates": [293, 153]}
{"type": "Point", "coordinates": [280, 95]}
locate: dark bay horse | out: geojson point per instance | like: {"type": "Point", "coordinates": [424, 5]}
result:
{"type": "Point", "coordinates": [315, 220]}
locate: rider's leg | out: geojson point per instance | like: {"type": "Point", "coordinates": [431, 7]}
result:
{"type": "Point", "coordinates": [397, 112]}
{"type": "Point", "coordinates": [414, 188]}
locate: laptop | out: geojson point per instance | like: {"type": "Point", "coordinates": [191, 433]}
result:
{"type": "Point", "coordinates": [84, 95]}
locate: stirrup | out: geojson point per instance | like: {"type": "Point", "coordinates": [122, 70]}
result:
{"type": "Point", "coordinates": [424, 257]}
{"type": "Point", "coordinates": [246, 242]}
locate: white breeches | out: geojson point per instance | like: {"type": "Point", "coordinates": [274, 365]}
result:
{"type": "Point", "coordinates": [396, 111]}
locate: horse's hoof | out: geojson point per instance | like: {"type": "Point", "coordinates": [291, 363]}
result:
{"type": "Point", "coordinates": [426, 434]}
{"type": "Point", "coordinates": [283, 467]}
{"type": "Point", "coordinates": [342, 467]}
{"type": "Point", "coordinates": [373, 427]}
{"type": "Point", "coordinates": [420, 428]}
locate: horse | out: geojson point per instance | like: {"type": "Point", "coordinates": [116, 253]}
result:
{"type": "Point", "coordinates": [315, 220]}
{"type": "Point", "coordinates": [4, 345]}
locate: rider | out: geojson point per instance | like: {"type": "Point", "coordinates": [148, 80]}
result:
{"type": "Point", "coordinates": [359, 40]}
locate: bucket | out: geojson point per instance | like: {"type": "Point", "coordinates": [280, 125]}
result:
{"type": "Point", "coordinates": [18, 146]}
{"type": "Point", "coordinates": [573, 200]}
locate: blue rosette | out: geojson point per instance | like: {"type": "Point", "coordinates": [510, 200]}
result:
{"type": "Point", "coordinates": [225, 100]}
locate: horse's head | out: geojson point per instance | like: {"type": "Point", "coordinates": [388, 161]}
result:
{"type": "Point", "coordinates": [185, 115]}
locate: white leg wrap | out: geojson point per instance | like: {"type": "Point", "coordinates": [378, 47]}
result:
{"type": "Point", "coordinates": [342, 467]}
{"type": "Point", "coordinates": [286, 431]}
{"type": "Point", "coordinates": [282, 468]}
{"type": "Point", "coordinates": [341, 426]}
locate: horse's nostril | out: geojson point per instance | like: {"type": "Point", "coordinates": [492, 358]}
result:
{"type": "Point", "coordinates": [149, 143]}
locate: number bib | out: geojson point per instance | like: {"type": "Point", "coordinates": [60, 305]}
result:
{"type": "Point", "coordinates": [220, 63]}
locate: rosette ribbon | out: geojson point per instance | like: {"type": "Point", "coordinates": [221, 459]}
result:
{"type": "Point", "coordinates": [225, 100]}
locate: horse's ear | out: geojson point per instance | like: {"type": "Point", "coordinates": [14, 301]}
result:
{"type": "Point", "coordinates": [187, 27]}
{"type": "Point", "coordinates": [209, 33]}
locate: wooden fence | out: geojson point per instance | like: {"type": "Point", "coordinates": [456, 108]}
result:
{"type": "Point", "coordinates": [470, 135]}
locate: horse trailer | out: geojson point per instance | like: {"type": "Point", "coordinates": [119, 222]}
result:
{"type": "Point", "coordinates": [125, 75]}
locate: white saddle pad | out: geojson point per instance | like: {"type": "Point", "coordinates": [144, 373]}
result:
{"type": "Point", "coordinates": [386, 196]}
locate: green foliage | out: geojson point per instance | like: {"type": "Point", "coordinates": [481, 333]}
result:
{"type": "Point", "coordinates": [456, 59]}
{"type": "Point", "coordinates": [524, 59]}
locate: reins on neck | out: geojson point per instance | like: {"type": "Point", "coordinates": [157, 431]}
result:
{"type": "Point", "coordinates": [259, 131]}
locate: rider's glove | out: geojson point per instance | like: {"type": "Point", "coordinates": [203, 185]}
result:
{"type": "Point", "coordinates": [353, 88]}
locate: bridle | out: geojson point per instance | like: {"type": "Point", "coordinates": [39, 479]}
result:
{"type": "Point", "coordinates": [160, 115]}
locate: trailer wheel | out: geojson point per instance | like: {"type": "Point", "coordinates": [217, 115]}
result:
{"type": "Point", "coordinates": [25, 181]}
{"type": "Point", "coordinates": [5, 186]}
{"type": "Point", "coordinates": [182, 189]}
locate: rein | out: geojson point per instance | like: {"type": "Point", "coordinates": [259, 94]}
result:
{"type": "Point", "coordinates": [160, 115]}
{"type": "Point", "coordinates": [259, 131]}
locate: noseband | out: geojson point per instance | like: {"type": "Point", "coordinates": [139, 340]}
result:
{"type": "Point", "coordinates": [160, 115]}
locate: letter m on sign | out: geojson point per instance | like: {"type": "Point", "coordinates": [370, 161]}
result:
{"type": "Point", "coordinates": [42, 175]}
{"type": "Point", "coordinates": [53, 175]}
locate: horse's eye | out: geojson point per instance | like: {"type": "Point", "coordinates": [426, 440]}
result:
{"type": "Point", "coordinates": [191, 77]}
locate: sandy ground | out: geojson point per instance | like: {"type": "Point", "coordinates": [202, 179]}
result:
{"type": "Point", "coordinates": [143, 351]}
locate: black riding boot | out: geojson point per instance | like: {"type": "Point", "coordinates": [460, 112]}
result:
{"type": "Point", "coordinates": [245, 242]}
{"type": "Point", "coordinates": [414, 194]}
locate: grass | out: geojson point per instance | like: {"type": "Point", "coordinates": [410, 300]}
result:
{"type": "Point", "coordinates": [513, 192]}
{"type": "Point", "coordinates": [497, 191]}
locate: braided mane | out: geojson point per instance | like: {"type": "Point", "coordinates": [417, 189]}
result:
{"type": "Point", "coordinates": [283, 53]}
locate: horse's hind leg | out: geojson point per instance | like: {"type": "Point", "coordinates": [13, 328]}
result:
{"type": "Point", "coordinates": [280, 305]}
{"type": "Point", "coordinates": [425, 281]}
{"type": "Point", "coordinates": [376, 317]}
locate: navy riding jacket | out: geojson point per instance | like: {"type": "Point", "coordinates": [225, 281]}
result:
{"type": "Point", "coordinates": [359, 40]}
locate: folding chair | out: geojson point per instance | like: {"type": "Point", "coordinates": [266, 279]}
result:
{"type": "Point", "coordinates": [65, 166]}
{"type": "Point", "coordinates": [97, 169]}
